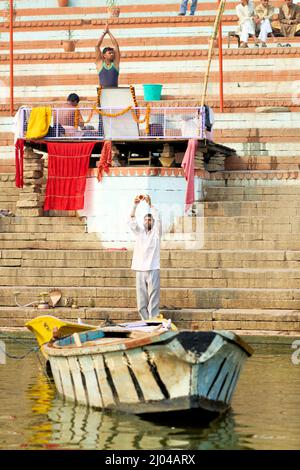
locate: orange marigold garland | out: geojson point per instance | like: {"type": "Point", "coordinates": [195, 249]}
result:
{"type": "Point", "coordinates": [112, 115]}
{"type": "Point", "coordinates": [134, 112]}
{"type": "Point", "coordinates": [99, 92]}
{"type": "Point", "coordinates": [132, 91]}
{"type": "Point", "coordinates": [146, 119]}
{"type": "Point", "coordinates": [76, 117]}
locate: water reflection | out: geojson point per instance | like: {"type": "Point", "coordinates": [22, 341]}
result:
{"type": "Point", "coordinates": [71, 426]}
{"type": "Point", "coordinates": [265, 413]}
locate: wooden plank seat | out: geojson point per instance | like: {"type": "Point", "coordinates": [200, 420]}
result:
{"type": "Point", "coordinates": [233, 34]}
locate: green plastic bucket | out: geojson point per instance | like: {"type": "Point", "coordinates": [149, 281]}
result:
{"type": "Point", "coordinates": [152, 92]}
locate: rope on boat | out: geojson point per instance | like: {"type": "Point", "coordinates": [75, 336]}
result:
{"type": "Point", "coordinates": [35, 349]}
{"type": "Point", "coordinates": [12, 356]}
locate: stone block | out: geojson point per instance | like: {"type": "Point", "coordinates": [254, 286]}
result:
{"type": "Point", "coordinates": [30, 212]}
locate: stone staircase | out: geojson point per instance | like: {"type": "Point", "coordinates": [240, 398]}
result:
{"type": "Point", "coordinates": [238, 267]}
{"type": "Point", "coordinates": [246, 276]}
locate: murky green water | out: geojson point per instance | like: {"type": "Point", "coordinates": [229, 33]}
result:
{"type": "Point", "coordinates": [265, 412]}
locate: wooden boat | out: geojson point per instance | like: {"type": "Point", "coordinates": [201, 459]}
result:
{"type": "Point", "coordinates": [146, 368]}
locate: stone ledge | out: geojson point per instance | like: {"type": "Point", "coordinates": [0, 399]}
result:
{"type": "Point", "coordinates": [271, 322]}
{"type": "Point", "coordinates": [248, 105]}
{"type": "Point", "coordinates": [255, 175]}
{"type": "Point", "coordinates": [147, 171]}
{"type": "Point", "coordinates": [136, 21]}
{"type": "Point", "coordinates": [152, 55]}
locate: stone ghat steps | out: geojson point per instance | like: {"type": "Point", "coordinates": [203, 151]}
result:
{"type": "Point", "coordinates": [174, 241]}
{"type": "Point", "coordinates": [151, 41]}
{"type": "Point", "coordinates": [261, 223]}
{"type": "Point", "coordinates": [200, 319]}
{"type": "Point", "coordinates": [20, 230]}
{"type": "Point", "coordinates": [247, 75]}
{"type": "Point", "coordinates": [50, 8]}
{"type": "Point", "coordinates": [240, 191]}
{"type": "Point", "coordinates": [230, 244]}
{"type": "Point", "coordinates": [23, 226]}
{"type": "Point", "coordinates": [191, 298]}
{"type": "Point", "coordinates": [243, 208]}
{"type": "Point", "coordinates": [231, 278]}
{"type": "Point", "coordinates": [102, 259]}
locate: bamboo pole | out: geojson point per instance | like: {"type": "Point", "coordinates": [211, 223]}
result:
{"type": "Point", "coordinates": [211, 45]}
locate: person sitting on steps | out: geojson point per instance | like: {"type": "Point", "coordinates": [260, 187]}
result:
{"type": "Point", "coordinates": [245, 13]}
{"type": "Point", "coordinates": [263, 16]}
{"type": "Point", "coordinates": [289, 19]}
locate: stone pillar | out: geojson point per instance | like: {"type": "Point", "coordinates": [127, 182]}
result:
{"type": "Point", "coordinates": [199, 160]}
{"type": "Point", "coordinates": [30, 202]}
{"type": "Point", "coordinates": [167, 157]}
{"type": "Point", "coordinates": [216, 162]}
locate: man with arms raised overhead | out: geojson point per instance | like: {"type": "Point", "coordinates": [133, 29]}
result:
{"type": "Point", "coordinates": [108, 61]}
{"type": "Point", "coordinates": [146, 259]}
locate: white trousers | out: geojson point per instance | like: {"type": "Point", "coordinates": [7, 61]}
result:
{"type": "Point", "coordinates": [265, 29]}
{"type": "Point", "coordinates": [247, 28]}
{"type": "Point", "coordinates": [147, 293]}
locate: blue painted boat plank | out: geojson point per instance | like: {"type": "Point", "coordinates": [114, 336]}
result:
{"type": "Point", "coordinates": [236, 358]}
{"type": "Point", "coordinates": [213, 372]}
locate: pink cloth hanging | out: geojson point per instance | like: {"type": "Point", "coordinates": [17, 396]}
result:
{"type": "Point", "coordinates": [189, 172]}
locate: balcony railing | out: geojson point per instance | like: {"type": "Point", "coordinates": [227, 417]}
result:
{"type": "Point", "coordinates": [91, 123]}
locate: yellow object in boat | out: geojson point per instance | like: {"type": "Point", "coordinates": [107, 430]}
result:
{"type": "Point", "coordinates": [43, 326]}
{"type": "Point", "coordinates": [160, 318]}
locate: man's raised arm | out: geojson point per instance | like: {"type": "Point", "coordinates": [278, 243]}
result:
{"type": "Point", "coordinates": [133, 225]}
{"type": "Point", "coordinates": [99, 57]}
{"type": "Point", "coordinates": [116, 48]}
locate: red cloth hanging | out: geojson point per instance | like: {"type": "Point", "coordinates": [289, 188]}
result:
{"type": "Point", "coordinates": [104, 163]}
{"type": "Point", "coordinates": [188, 165]}
{"type": "Point", "coordinates": [68, 164]}
{"type": "Point", "coordinates": [19, 162]}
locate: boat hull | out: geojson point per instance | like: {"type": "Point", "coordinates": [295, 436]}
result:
{"type": "Point", "coordinates": [177, 372]}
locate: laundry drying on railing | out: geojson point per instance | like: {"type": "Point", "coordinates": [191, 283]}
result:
{"type": "Point", "coordinates": [136, 123]}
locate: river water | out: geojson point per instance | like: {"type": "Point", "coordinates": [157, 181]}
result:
{"type": "Point", "coordinates": [265, 410]}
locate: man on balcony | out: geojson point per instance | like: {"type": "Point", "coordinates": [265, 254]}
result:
{"type": "Point", "coordinates": [108, 61]}
{"type": "Point", "coordinates": [146, 259]}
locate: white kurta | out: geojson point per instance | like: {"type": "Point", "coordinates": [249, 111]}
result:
{"type": "Point", "coordinates": [146, 263]}
{"type": "Point", "coordinates": [146, 253]}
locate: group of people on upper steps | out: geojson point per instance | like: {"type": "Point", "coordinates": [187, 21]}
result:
{"type": "Point", "coordinates": [259, 20]}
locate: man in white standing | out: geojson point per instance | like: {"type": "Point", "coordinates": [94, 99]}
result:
{"type": "Point", "coordinates": [146, 259]}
